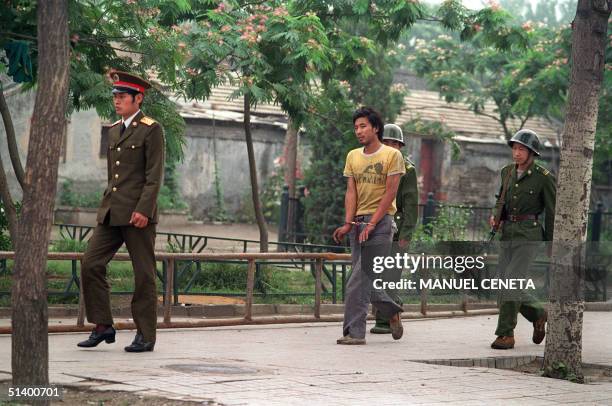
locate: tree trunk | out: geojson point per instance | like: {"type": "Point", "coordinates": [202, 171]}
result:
{"type": "Point", "coordinates": [291, 144]}
{"type": "Point", "coordinates": [261, 221]}
{"type": "Point", "coordinates": [563, 352]}
{"type": "Point", "coordinates": [11, 140]}
{"type": "Point", "coordinates": [30, 357]}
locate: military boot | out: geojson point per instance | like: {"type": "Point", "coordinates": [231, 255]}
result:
{"type": "Point", "coordinates": [381, 326]}
{"type": "Point", "coordinates": [503, 343]}
{"type": "Point", "coordinates": [539, 329]}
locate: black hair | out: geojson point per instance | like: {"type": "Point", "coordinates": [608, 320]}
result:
{"type": "Point", "coordinates": [133, 93]}
{"type": "Point", "coordinates": [373, 117]}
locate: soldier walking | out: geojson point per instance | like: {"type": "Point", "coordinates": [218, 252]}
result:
{"type": "Point", "coordinates": [373, 174]}
{"type": "Point", "coordinates": [127, 214]}
{"type": "Point", "coordinates": [406, 200]}
{"type": "Point", "coordinates": [527, 191]}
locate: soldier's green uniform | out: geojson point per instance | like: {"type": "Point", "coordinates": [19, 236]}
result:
{"type": "Point", "coordinates": [406, 201]}
{"type": "Point", "coordinates": [135, 167]}
{"type": "Point", "coordinates": [527, 197]}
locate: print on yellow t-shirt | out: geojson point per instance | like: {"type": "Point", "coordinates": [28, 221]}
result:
{"type": "Point", "coordinates": [370, 172]}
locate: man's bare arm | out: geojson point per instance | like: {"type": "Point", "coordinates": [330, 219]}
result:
{"type": "Point", "coordinates": [350, 207]}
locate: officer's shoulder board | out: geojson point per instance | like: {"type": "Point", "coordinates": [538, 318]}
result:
{"type": "Point", "coordinates": [115, 123]}
{"type": "Point", "coordinates": [147, 121]}
{"type": "Point", "coordinates": [409, 164]}
{"type": "Point", "coordinates": [542, 170]}
{"type": "Point", "coordinates": [507, 168]}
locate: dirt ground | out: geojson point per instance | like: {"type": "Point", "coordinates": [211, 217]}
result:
{"type": "Point", "coordinates": [225, 230]}
{"type": "Point", "coordinates": [78, 397]}
{"type": "Point", "coordinates": [591, 374]}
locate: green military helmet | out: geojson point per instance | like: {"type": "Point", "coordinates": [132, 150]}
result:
{"type": "Point", "coordinates": [393, 133]}
{"type": "Point", "coordinates": [527, 138]}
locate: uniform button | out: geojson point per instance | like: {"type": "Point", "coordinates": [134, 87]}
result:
{"type": "Point", "coordinates": [118, 149]}
{"type": "Point", "coordinates": [114, 189]}
{"type": "Point", "coordinates": [516, 185]}
{"type": "Point", "coordinates": [116, 176]}
{"type": "Point", "coordinates": [514, 209]}
{"type": "Point", "coordinates": [529, 172]}
{"type": "Point", "coordinates": [117, 163]}
{"type": "Point", "coordinates": [535, 224]}
{"type": "Point", "coordinates": [514, 197]}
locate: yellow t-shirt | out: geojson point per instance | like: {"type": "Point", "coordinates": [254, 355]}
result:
{"type": "Point", "coordinates": [370, 172]}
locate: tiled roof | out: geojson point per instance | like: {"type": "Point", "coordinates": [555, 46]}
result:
{"type": "Point", "coordinates": [457, 117]}
{"type": "Point", "coordinates": [220, 100]}
{"type": "Point", "coordinates": [418, 103]}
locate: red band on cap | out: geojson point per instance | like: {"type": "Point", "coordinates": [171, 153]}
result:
{"type": "Point", "coordinates": [130, 85]}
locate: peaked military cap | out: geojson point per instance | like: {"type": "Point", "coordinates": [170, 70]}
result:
{"type": "Point", "coordinates": [124, 82]}
{"type": "Point", "coordinates": [528, 138]}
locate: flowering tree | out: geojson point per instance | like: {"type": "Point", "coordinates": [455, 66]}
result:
{"type": "Point", "coordinates": [269, 52]}
{"type": "Point", "coordinates": [522, 82]}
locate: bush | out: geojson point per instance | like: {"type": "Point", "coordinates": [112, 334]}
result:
{"type": "Point", "coordinates": [5, 239]}
{"type": "Point", "coordinates": [223, 277]}
{"type": "Point", "coordinates": [448, 225]}
{"type": "Point", "coordinates": [166, 200]}
{"type": "Point", "coordinates": [68, 245]}
{"type": "Point", "coordinates": [69, 197]}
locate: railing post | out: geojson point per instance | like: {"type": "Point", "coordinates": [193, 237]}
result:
{"type": "Point", "coordinates": [429, 211]}
{"type": "Point", "coordinates": [335, 284]}
{"type": "Point", "coordinates": [464, 303]}
{"type": "Point", "coordinates": [175, 288]}
{"type": "Point", "coordinates": [423, 295]}
{"type": "Point", "coordinates": [81, 312]}
{"type": "Point", "coordinates": [317, 306]}
{"type": "Point", "coordinates": [169, 291]}
{"type": "Point", "coordinates": [248, 306]}
{"type": "Point", "coordinates": [596, 224]}
{"type": "Point", "coordinates": [283, 219]}
{"type": "Point", "coordinates": [343, 282]}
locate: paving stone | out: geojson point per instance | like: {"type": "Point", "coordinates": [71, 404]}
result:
{"type": "Point", "coordinates": [301, 365]}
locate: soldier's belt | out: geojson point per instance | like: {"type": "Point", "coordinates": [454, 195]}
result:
{"type": "Point", "coordinates": [521, 217]}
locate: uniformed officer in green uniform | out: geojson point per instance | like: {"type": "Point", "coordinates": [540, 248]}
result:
{"type": "Point", "coordinates": [127, 214]}
{"type": "Point", "coordinates": [527, 191]}
{"type": "Point", "coordinates": [407, 200]}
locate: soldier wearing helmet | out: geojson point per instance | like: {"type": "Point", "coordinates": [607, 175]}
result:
{"type": "Point", "coordinates": [527, 192]}
{"type": "Point", "coordinates": [406, 216]}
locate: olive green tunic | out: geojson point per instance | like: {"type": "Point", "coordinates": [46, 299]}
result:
{"type": "Point", "coordinates": [407, 202]}
{"type": "Point", "coordinates": [135, 163]}
{"type": "Point", "coordinates": [532, 193]}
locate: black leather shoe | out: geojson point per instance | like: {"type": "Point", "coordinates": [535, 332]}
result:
{"type": "Point", "coordinates": [139, 345]}
{"type": "Point", "coordinates": [96, 338]}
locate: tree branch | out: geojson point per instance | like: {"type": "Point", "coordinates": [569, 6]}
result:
{"type": "Point", "coordinates": [85, 40]}
{"type": "Point", "coordinates": [10, 138]}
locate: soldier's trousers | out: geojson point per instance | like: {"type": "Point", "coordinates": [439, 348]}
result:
{"type": "Point", "coordinates": [360, 290]}
{"type": "Point", "coordinates": [515, 259]}
{"type": "Point", "coordinates": [103, 245]}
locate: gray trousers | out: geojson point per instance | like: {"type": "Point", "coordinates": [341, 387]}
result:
{"type": "Point", "coordinates": [360, 290]}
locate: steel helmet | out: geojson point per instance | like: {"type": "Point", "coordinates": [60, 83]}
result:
{"type": "Point", "coordinates": [394, 133]}
{"type": "Point", "coordinates": [527, 138]}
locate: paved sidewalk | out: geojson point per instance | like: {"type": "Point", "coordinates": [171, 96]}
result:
{"type": "Point", "coordinates": [302, 365]}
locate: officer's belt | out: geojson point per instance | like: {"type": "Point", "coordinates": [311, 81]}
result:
{"type": "Point", "coordinates": [521, 217]}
